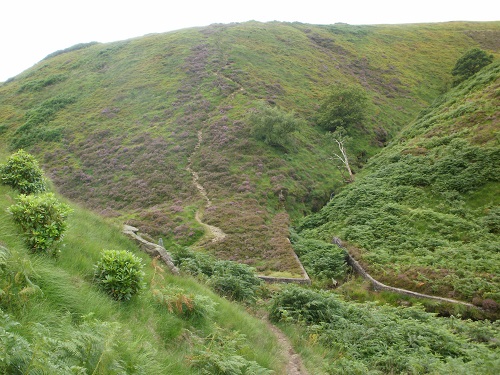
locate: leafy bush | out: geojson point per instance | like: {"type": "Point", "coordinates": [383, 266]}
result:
{"type": "Point", "coordinates": [298, 304]}
{"type": "Point", "coordinates": [197, 264]}
{"type": "Point", "coordinates": [230, 279]}
{"type": "Point", "coordinates": [321, 259]}
{"type": "Point", "coordinates": [345, 105]}
{"type": "Point", "coordinates": [470, 63]}
{"type": "Point", "coordinates": [274, 126]}
{"type": "Point", "coordinates": [221, 353]}
{"type": "Point", "coordinates": [119, 273]}
{"type": "Point", "coordinates": [23, 173]}
{"type": "Point", "coordinates": [234, 280]}
{"type": "Point", "coordinates": [42, 219]}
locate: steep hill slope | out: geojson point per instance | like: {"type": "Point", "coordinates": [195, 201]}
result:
{"type": "Point", "coordinates": [116, 124]}
{"type": "Point", "coordinates": [54, 320]}
{"type": "Point", "coordinates": [425, 215]}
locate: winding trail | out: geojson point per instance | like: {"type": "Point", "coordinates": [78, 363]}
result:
{"type": "Point", "coordinates": [294, 362]}
{"type": "Point", "coordinates": [216, 233]}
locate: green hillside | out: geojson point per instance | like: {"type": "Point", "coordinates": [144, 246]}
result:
{"type": "Point", "coordinates": [53, 319]}
{"type": "Point", "coordinates": [116, 125]}
{"type": "Point", "coordinates": [156, 132]}
{"type": "Point", "coordinates": [425, 213]}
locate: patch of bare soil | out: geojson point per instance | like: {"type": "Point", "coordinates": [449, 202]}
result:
{"type": "Point", "coordinates": [216, 233]}
{"type": "Point", "coordinates": [295, 365]}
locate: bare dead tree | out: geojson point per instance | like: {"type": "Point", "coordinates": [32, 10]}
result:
{"type": "Point", "coordinates": [340, 139]}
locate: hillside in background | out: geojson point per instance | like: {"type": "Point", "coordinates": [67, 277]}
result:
{"type": "Point", "coordinates": [425, 214]}
{"type": "Point", "coordinates": [120, 126]}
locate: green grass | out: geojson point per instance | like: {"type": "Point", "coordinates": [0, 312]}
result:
{"type": "Point", "coordinates": [121, 146]}
{"type": "Point", "coordinates": [372, 338]}
{"type": "Point", "coordinates": [422, 215]}
{"type": "Point", "coordinates": [63, 306]}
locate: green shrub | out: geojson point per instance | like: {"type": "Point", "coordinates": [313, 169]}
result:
{"type": "Point", "coordinates": [298, 304]}
{"type": "Point", "coordinates": [42, 219]}
{"type": "Point", "coordinates": [274, 126]}
{"type": "Point", "coordinates": [234, 280]}
{"type": "Point", "coordinates": [23, 173]}
{"type": "Point", "coordinates": [196, 264]}
{"type": "Point", "coordinates": [470, 63]}
{"type": "Point", "coordinates": [321, 259]}
{"type": "Point", "coordinates": [119, 273]}
{"type": "Point", "coordinates": [230, 279]}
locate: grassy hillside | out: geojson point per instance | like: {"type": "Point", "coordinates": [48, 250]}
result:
{"type": "Point", "coordinates": [53, 320]}
{"type": "Point", "coordinates": [338, 337]}
{"type": "Point", "coordinates": [425, 213]}
{"type": "Point", "coordinates": [115, 124]}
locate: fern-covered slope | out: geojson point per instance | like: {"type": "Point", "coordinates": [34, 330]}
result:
{"type": "Point", "coordinates": [115, 124]}
{"type": "Point", "coordinates": [54, 319]}
{"type": "Point", "coordinates": [425, 215]}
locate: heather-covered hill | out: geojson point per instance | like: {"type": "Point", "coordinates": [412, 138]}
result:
{"type": "Point", "coordinates": [117, 125]}
{"type": "Point", "coordinates": [425, 214]}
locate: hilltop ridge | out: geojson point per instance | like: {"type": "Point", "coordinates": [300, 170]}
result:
{"type": "Point", "coordinates": [114, 124]}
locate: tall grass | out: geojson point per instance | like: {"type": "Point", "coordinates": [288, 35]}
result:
{"type": "Point", "coordinates": [65, 313]}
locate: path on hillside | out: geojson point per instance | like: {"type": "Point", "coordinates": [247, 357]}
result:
{"type": "Point", "coordinates": [294, 362]}
{"type": "Point", "coordinates": [216, 233]}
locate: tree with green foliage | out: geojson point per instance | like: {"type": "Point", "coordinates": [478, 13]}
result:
{"type": "Point", "coordinates": [344, 106]}
{"type": "Point", "coordinates": [469, 64]}
{"type": "Point", "coordinates": [273, 125]}
{"type": "Point", "coordinates": [23, 173]}
{"type": "Point", "coordinates": [42, 219]}
{"type": "Point", "coordinates": [119, 273]}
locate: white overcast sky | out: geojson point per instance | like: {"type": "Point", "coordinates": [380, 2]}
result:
{"type": "Point", "coordinates": [31, 29]}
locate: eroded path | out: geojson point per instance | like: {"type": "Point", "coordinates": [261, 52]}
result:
{"type": "Point", "coordinates": [293, 360]}
{"type": "Point", "coordinates": [295, 365]}
{"type": "Point", "coordinates": [216, 233]}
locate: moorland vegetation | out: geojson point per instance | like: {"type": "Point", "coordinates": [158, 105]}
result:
{"type": "Point", "coordinates": [115, 125]}
{"type": "Point", "coordinates": [267, 116]}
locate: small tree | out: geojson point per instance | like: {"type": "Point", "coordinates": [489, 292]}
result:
{"type": "Point", "coordinates": [344, 106]}
{"type": "Point", "coordinates": [22, 173]}
{"type": "Point", "coordinates": [119, 273]}
{"type": "Point", "coordinates": [42, 219]}
{"type": "Point", "coordinates": [273, 125]}
{"type": "Point", "coordinates": [339, 136]}
{"type": "Point", "coordinates": [469, 64]}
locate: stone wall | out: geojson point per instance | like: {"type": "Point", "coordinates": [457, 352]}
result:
{"type": "Point", "coordinates": [379, 286]}
{"type": "Point", "coordinates": [151, 248]}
